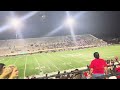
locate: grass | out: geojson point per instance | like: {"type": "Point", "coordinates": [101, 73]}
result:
{"type": "Point", "coordinates": [39, 64]}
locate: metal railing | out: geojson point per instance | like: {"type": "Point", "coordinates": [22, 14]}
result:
{"type": "Point", "coordinates": [81, 72]}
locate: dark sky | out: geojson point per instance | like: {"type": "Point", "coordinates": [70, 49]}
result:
{"type": "Point", "coordinates": [98, 23]}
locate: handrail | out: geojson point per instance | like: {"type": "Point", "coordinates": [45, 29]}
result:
{"type": "Point", "coordinates": [80, 72]}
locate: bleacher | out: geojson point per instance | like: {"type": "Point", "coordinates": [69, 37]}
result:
{"type": "Point", "coordinates": [46, 44]}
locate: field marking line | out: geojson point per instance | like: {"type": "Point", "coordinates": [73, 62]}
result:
{"type": "Point", "coordinates": [53, 64]}
{"type": "Point", "coordinates": [77, 61]}
{"type": "Point", "coordinates": [9, 59]}
{"type": "Point", "coordinates": [66, 63]}
{"type": "Point", "coordinates": [2, 59]}
{"type": "Point", "coordinates": [62, 61]}
{"type": "Point", "coordinates": [38, 64]}
{"type": "Point", "coordinates": [6, 60]}
{"type": "Point", "coordinates": [46, 64]}
{"type": "Point", "coordinates": [15, 61]}
{"type": "Point", "coordinates": [25, 67]}
{"type": "Point", "coordinates": [56, 59]}
{"type": "Point", "coordinates": [81, 62]}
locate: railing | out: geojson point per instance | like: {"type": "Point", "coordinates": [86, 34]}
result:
{"type": "Point", "coordinates": [81, 72]}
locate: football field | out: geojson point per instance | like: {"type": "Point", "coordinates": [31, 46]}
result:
{"type": "Point", "coordinates": [42, 63]}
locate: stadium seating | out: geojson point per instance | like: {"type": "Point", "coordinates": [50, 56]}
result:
{"type": "Point", "coordinates": [47, 44]}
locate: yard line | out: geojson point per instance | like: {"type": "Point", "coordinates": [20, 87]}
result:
{"type": "Point", "coordinates": [63, 62]}
{"type": "Point", "coordinates": [55, 58]}
{"type": "Point", "coordinates": [75, 61]}
{"type": "Point", "coordinates": [53, 64]}
{"type": "Point", "coordinates": [83, 63]}
{"type": "Point", "coordinates": [15, 61]}
{"type": "Point", "coordinates": [25, 67]}
{"type": "Point", "coordinates": [38, 64]}
{"type": "Point", "coordinates": [5, 60]}
{"type": "Point", "coordinates": [49, 66]}
{"type": "Point", "coordinates": [2, 59]}
{"type": "Point", "coordinates": [46, 64]}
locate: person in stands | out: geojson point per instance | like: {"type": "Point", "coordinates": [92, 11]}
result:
{"type": "Point", "coordinates": [10, 72]}
{"type": "Point", "coordinates": [46, 76]}
{"type": "Point", "coordinates": [58, 75]}
{"type": "Point", "coordinates": [2, 66]}
{"type": "Point", "coordinates": [117, 69]}
{"type": "Point", "coordinates": [98, 67]}
{"type": "Point", "coordinates": [86, 75]}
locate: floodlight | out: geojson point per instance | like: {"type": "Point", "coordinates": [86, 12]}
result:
{"type": "Point", "coordinates": [69, 21]}
{"type": "Point", "coordinates": [15, 23]}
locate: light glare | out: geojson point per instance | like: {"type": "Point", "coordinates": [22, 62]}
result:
{"type": "Point", "coordinates": [16, 23]}
{"type": "Point", "coordinates": [70, 21]}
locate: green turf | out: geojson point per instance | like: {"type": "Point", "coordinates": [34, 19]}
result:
{"type": "Point", "coordinates": [51, 62]}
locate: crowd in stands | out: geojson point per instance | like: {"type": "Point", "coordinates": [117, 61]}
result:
{"type": "Point", "coordinates": [112, 40]}
{"type": "Point", "coordinates": [46, 44]}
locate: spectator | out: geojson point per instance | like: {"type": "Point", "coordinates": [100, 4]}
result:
{"type": "Point", "coordinates": [68, 76]}
{"type": "Point", "coordinates": [5, 73]}
{"type": "Point", "coordinates": [10, 72]}
{"type": "Point", "coordinates": [58, 75]}
{"type": "Point", "coordinates": [33, 77]}
{"type": "Point", "coordinates": [112, 62]}
{"type": "Point", "coordinates": [118, 70]}
{"type": "Point", "coordinates": [86, 75]}
{"type": "Point", "coordinates": [14, 74]}
{"type": "Point", "coordinates": [46, 76]}
{"type": "Point", "coordinates": [109, 66]}
{"type": "Point", "coordinates": [2, 66]}
{"type": "Point", "coordinates": [64, 76]}
{"type": "Point", "coordinates": [98, 67]}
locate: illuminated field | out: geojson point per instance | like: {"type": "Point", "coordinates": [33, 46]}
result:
{"type": "Point", "coordinates": [52, 62]}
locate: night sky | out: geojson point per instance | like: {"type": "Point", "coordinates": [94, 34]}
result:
{"type": "Point", "coordinates": [98, 23]}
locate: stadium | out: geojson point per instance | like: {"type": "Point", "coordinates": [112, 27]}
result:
{"type": "Point", "coordinates": [44, 55]}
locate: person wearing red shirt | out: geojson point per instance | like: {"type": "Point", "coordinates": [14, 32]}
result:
{"type": "Point", "coordinates": [117, 69]}
{"type": "Point", "coordinates": [98, 67]}
{"type": "Point", "coordinates": [86, 75]}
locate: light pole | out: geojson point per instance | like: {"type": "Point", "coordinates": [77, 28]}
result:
{"type": "Point", "coordinates": [16, 24]}
{"type": "Point", "coordinates": [16, 35]}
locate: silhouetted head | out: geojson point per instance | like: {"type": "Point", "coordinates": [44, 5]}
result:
{"type": "Point", "coordinates": [46, 75]}
{"type": "Point", "coordinates": [1, 67]}
{"type": "Point", "coordinates": [58, 72]}
{"type": "Point", "coordinates": [96, 55]}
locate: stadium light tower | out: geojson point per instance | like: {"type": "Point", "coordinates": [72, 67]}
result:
{"type": "Point", "coordinates": [16, 24]}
